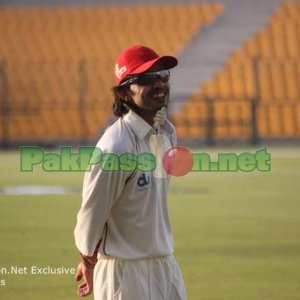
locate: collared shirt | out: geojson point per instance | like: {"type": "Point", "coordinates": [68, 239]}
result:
{"type": "Point", "coordinates": [127, 211]}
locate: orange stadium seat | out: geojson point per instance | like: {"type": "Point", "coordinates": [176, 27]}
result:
{"type": "Point", "coordinates": [265, 70]}
{"type": "Point", "coordinates": [60, 60]}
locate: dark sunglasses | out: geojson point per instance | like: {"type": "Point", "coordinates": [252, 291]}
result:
{"type": "Point", "coordinates": [148, 78]}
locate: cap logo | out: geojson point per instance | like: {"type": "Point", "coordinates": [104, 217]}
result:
{"type": "Point", "coordinates": [120, 71]}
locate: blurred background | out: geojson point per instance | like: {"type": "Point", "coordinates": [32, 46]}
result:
{"type": "Point", "coordinates": [236, 89]}
{"type": "Point", "coordinates": [237, 80]}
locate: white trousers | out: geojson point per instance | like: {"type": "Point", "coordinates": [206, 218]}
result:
{"type": "Point", "coordinates": [156, 278]}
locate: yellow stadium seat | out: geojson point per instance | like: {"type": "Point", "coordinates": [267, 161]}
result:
{"type": "Point", "coordinates": [265, 69]}
{"type": "Point", "coordinates": [297, 113]}
{"type": "Point", "coordinates": [276, 121]}
{"type": "Point", "coordinates": [291, 81]}
{"type": "Point", "coordinates": [289, 121]}
{"type": "Point", "coordinates": [61, 58]}
{"type": "Point", "coordinates": [292, 38]}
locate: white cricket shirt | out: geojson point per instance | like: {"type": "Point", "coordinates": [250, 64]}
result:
{"type": "Point", "coordinates": [126, 211]}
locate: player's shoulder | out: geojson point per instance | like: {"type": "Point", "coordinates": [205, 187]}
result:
{"type": "Point", "coordinates": [117, 138]}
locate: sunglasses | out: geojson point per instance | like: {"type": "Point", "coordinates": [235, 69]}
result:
{"type": "Point", "coordinates": [148, 78]}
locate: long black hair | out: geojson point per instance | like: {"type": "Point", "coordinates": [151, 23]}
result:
{"type": "Point", "coordinates": [119, 108]}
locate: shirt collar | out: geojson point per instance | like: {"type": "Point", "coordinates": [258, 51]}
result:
{"type": "Point", "coordinates": [141, 128]}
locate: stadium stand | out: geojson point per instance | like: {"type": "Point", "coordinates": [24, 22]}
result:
{"type": "Point", "coordinates": [256, 94]}
{"type": "Point", "coordinates": [56, 62]}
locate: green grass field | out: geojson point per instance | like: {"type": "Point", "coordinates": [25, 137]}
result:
{"type": "Point", "coordinates": [237, 234]}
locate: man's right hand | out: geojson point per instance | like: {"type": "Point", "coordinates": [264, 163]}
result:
{"type": "Point", "coordinates": [85, 271]}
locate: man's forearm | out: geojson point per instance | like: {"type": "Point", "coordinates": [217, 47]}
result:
{"type": "Point", "coordinates": [91, 259]}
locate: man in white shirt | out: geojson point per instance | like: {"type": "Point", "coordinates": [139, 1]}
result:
{"type": "Point", "coordinates": [123, 231]}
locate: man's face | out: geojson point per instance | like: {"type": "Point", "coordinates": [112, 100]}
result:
{"type": "Point", "coordinates": [151, 98]}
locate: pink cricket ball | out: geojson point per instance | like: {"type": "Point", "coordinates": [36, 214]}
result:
{"type": "Point", "coordinates": [178, 161]}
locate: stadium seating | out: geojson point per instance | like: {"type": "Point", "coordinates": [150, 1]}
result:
{"type": "Point", "coordinates": [265, 71]}
{"type": "Point", "coordinates": [58, 62]}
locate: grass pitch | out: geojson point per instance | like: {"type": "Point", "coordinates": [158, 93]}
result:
{"type": "Point", "coordinates": [236, 234]}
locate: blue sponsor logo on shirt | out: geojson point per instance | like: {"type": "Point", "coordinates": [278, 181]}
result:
{"type": "Point", "coordinates": [143, 180]}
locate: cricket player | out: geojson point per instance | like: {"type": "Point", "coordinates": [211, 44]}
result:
{"type": "Point", "coordinates": [123, 231]}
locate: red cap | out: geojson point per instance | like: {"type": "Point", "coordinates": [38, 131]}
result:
{"type": "Point", "coordinates": [138, 59]}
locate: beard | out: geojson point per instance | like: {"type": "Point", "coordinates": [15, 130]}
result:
{"type": "Point", "coordinates": [149, 101]}
{"type": "Point", "coordinates": [153, 101]}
